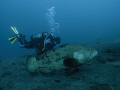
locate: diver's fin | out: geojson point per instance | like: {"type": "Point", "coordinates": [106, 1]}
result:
{"type": "Point", "coordinates": [14, 30]}
{"type": "Point", "coordinates": [12, 39]}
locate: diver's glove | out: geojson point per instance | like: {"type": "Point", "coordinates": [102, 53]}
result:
{"type": "Point", "coordinates": [47, 41]}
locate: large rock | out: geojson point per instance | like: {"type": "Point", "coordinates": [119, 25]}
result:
{"type": "Point", "coordinates": [64, 57]}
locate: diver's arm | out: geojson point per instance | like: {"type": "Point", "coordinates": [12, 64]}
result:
{"type": "Point", "coordinates": [26, 45]}
{"type": "Point", "coordinates": [29, 45]}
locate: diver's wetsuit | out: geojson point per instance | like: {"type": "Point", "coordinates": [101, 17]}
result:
{"type": "Point", "coordinates": [41, 42]}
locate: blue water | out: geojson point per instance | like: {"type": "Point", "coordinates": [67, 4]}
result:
{"type": "Point", "coordinates": [79, 21]}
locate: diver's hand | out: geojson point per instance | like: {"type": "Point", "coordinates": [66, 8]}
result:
{"type": "Point", "coordinates": [47, 41]}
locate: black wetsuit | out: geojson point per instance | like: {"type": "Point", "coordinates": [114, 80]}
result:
{"type": "Point", "coordinates": [41, 42]}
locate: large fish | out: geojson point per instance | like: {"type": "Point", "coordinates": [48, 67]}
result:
{"type": "Point", "coordinates": [63, 57]}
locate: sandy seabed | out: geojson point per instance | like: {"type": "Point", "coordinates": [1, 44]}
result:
{"type": "Point", "coordinates": [101, 73]}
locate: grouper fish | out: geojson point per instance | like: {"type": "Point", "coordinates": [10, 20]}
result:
{"type": "Point", "coordinates": [63, 57]}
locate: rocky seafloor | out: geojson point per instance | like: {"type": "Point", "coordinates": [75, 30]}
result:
{"type": "Point", "coordinates": [101, 73]}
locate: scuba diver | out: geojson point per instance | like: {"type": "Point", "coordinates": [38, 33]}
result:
{"type": "Point", "coordinates": [41, 42]}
